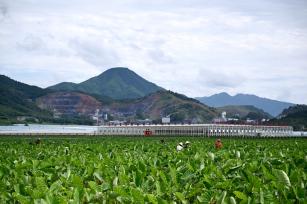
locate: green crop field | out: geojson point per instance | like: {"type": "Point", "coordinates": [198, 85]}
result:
{"type": "Point", "coordinates": [145, 170]}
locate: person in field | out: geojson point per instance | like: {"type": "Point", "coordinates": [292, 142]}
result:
{"type": "Point", "coordinates": [186, 144]}
{"type": "Point", "coordinates": [38, 141]}
{"type": "Point", "coordinates": [218, 144]}
{"type": "Point", "coordinates": [179, 147]}
{"type": "Point", "coordinates": [182, 146]}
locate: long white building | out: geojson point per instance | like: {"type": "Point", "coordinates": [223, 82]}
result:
{"type": "Point", "coordinates": [205, 130]}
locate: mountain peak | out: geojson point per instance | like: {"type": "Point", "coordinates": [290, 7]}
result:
{"type": "Point", "coordinates": [116, 83]}
{"type": "Point", "coordinates": [117, 69]}
{"type": "Point", "coordinates": [223, 94]}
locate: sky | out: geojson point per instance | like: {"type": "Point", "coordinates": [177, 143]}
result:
{"type": "Point", "coordinates": [194, 47]}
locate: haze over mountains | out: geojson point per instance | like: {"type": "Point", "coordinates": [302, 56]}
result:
{"type": "Point", "coordinates": [270, 106]}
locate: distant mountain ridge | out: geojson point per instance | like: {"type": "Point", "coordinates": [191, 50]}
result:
{"type": "Point", "coordinates": [270, 106]}
{"type": "Point", "coordinates": [117, 83]}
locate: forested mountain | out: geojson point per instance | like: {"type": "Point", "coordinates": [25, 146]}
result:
{"type": "Point", "coordinates": [117, 83]}
{"type": "Point", "coordinates": [164, 103]}
{"type": "Point", "coordinates": [18, 99]}
{"type": "Point", "coordinates": [244, 112]}
{"type": "Point", "coordinates": [295, 116]}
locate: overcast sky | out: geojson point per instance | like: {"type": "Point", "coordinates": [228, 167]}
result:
{"type": "Point", "coordinates": [194, 47]}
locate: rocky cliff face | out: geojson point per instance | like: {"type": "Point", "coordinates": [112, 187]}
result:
{"type": "Point", "coordinates": [69, 103]}
{"type": "Point", "coordinates": [161, 104]}
{"type": "Point", "coordinates": [154, 106]}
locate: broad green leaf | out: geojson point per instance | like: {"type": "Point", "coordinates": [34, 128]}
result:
{"type": "Point", "coordinates": [180, 197]}
{"type": "Point", "coordinates": [77, 181]}
{"type": "Point", "coordinates": [232, 200]}
{"type": "Point", "coordinates": [261, 196]}
{"type": "Point", "coordinates": [222, 198]}
{"type": "Point", "coordinates": [21, 199]}
{"type": "Point", "coordinates": [211, 156]}
{"type": "Point", "coordinates": [138, 178]}
{"type": "Point", "coordinates": [282, 178]}
{"type": "Point", "coordinates": [105, 186]}
{"type": "Point", "coordinates": [266, 173]}
{"type": "Point", "coordinates": [152, 199]}
{"type": "Point", "coordinates": [238, 155]}
{"type": "Point", "coordinates": [115, 181]}
{"type": "Point", "coordinates": [173, 173]}
{"type": "Point", "coordinates": [240, 195]}
{"type": "Point", "coordinates": [202, 165]}
{"type": "Point", "coordinates": [41, 184]}
{"type": "Point", "coordinates": [76, 196]}
{"type": "Point", "coordinates": [93, 185]}
{"type": "Point", "coordinates": [137, 195]}
{"type": "Point", "coordinates": [56, 186]}
{"type": "Point", "coordinates": [98, 176]}
{"type": "Point", "coordinates": [196, 156]}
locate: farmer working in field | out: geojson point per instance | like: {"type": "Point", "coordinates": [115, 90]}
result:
{"type": "Point", "coordinates": [218, 144]}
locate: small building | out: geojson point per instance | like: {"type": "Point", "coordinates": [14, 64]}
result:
{"type": "Point", "coordinates": [166, 120]}
{"type": "Point", "coordinates": [144, 122]}
{"type": "Point", "coordinates": [116, 122]}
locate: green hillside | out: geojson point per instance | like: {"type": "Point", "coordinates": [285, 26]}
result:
{"type": "Point", "coordinates": [18, 99]}
{"type": "Point", "coordinates": [243, 112]}
{"type": "Point", "coordinates": [117, 83]}
{"type": "Point", "coordinates": [64, 86]}
{"type": "Point", "coordinates": [164, 103]}
{"type": "Point", "coordinates": [295, 116]}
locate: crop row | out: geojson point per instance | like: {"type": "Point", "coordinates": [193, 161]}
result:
{"type": "Point", "coordinates": [146, 170]}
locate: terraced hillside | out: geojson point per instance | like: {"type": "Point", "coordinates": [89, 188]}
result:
{"type": "Point", "coordinates": [69, 103]}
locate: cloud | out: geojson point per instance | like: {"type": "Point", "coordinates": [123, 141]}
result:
{"type": "Point", "coordinates": [96, 52]}
{"type": "Point", "coordinates": [220, 79]}
{"type": "Point", "coordinates": [159, 56]}
{"type": "Point", "coordinates": [31, 43]}
{"type": "Point", "coordinates": [194, 47]}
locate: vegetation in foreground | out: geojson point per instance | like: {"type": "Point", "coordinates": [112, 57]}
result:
{"type": "Point", "coordinates": [146, 170]}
